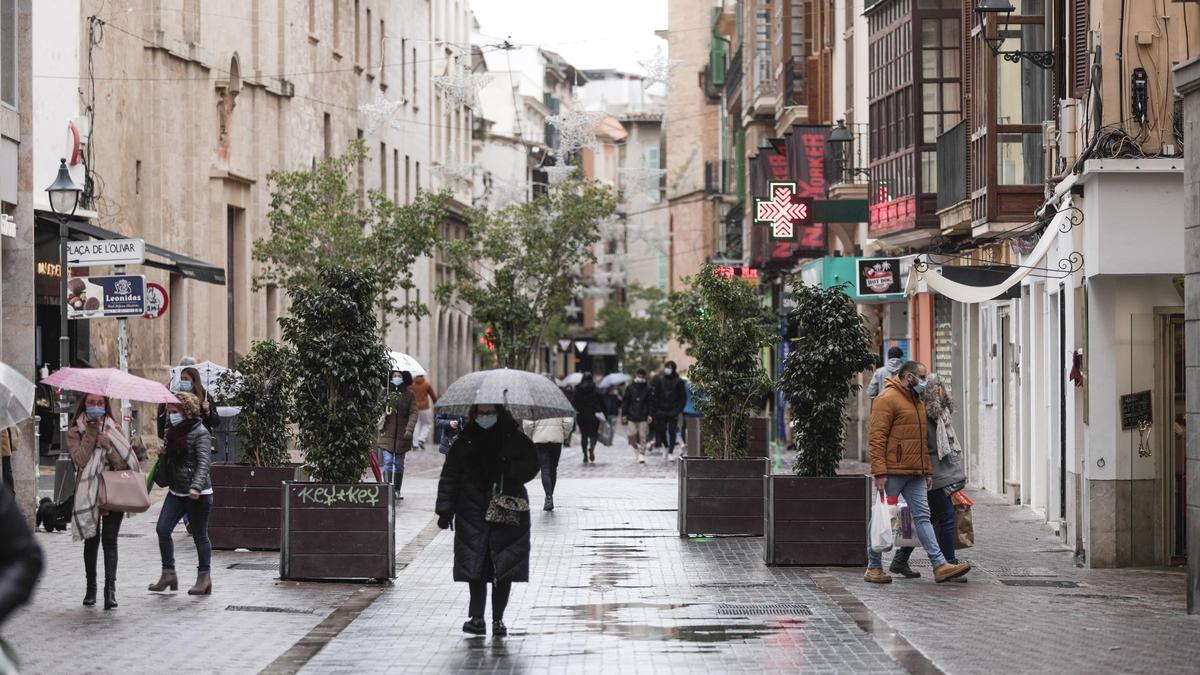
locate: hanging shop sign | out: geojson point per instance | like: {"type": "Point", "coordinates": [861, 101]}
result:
{"type": "Point", "coordinates": [117, 296]}
{"type": "Point", "coordinates": [156, 300]}
{"type": "Point", "coordinates": [741, 271]}
{"type": "Point", "coordinates": [878, 276]}
{"type": "Point", "coordinates": [784, 211]}
{"type": "Point", "coordinates": [106, 252]}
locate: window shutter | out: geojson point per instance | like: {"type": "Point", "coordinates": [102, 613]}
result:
{"type": "Point", "coordinates": [1079, 47]}
{"type": "Point", "coordinates": [716, 61]}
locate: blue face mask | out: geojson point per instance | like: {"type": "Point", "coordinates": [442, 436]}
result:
{"type": "Point", "coordinates": [487, 421]}
{"type": "Point", "coordinates": [919, 387]}
{"type": "Point", "coordinates": [396, 381]}
{"type": "Point", "coordinates": [95, 412]}
{"type": "Point", "coordinates": [185, 385]}
{"type": "Point", "coordinates": [175, 418]}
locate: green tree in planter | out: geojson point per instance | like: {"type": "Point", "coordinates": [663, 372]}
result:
{"type": "Point", "coordinates": [340, 371]}
{"type": "Point", "coordinates": [262, 389]}
{"type": "Point", "coordinates": [818, 375]}
{"type": "Point", "coordinates": [722, 321]}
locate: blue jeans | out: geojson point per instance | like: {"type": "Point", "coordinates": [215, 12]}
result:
{"type": "Point", "coordinates": [393, 462]}
{"type": "Point", "coordinates": [913, 490]}
{"type": "Point", "coordinates": [174, 508]}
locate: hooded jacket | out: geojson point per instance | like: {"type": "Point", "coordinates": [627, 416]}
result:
{"type": "Point", "coordinates": [669, 394]}
{"type": "Point", "coordinates": [638, 403]}
{"type": "Point", "coordinates": [899, 432]}
{"type": "Point", "coordinates": [889, 369]}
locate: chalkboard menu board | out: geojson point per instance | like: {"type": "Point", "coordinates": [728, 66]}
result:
{"type": "Point", "coordinates": [1136, 408]}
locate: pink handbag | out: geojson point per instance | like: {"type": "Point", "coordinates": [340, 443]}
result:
{"type": "Point", "coordinates": [123, 491]}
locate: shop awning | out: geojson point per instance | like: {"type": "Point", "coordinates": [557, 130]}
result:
{"type": "Point", "coordinates": [176, 263]}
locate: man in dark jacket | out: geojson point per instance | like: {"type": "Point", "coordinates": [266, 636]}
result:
{"type": "Point", "coordinates": [20, 557]}
{"type": "Point", "coordinates": [669, 394]}
{"type": "Point", "coordinates": [635, 412]}
{"type": "Point", "coordinates": [589, 413]}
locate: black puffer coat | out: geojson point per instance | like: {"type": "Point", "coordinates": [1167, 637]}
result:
{"type": "Point", "coordinates": [189, 456]}
{"type": "Point", "coordinates": [475, 463]}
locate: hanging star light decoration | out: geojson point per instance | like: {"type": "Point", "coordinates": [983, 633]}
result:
{"type": "Point", "coordinates": [379, 113]}
{"type": "Point", "coordinates": [574, 311]}
{"type": "Point", "coordinates": [461, 85]}
{"type": "Point", "coordinates": [641, 179]}
{"type": "Point", "coordinates": [558, 173]}
{"type": "Point", "coordinates": [576, 129]}
{"type": "Point", "coordinates": [659, 69]}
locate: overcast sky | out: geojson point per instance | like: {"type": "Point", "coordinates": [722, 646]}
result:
{"type": "Point", "coordinates": [588, 33]}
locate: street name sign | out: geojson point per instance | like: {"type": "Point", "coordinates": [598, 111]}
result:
{"type": "Point", "coordinates": [106, 252]}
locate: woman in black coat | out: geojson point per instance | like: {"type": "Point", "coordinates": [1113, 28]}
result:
{"type": "Point", "coordinates": [589, 413]}
{"type": "Point", "coordinates": [490, 455]}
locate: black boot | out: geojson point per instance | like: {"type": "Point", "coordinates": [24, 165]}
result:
{"type": "Point", "coordinates": [900, 564]}
{"type": "Point", "coordinates": [397, 481]}
{"type": "Point", "coordinates": [110, 578]}
{"type": "Point", "coordinates": [89, 570]}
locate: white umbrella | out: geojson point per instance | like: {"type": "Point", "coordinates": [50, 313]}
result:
{"type": "Point", "coordinates": [614, 380]}
{"type": "Point", "coordinates": [16, 396]}
{"type": "Point", "coordinates": [209, 372]}
{"type": "Point", "coordinates": [572, 380]}
{"type": "Point", "coordinates": [527, 396]}
{"type": "Point", "coordinates": [404, 362]}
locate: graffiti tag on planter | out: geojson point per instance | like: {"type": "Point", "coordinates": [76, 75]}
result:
{"type": "Point", "coordinates": [350, 495]}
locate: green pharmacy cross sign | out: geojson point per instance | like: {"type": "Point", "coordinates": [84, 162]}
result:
{"type": "Point", "coordinates": [784, 211]}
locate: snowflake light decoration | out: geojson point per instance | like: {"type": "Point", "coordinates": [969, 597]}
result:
{"type": "Point", "coordinates": [558, 173]}
{"type": "Point", "coordinates": [659, 68]}
{"type": "Point", "coordinates": [611, 228]}
{"type": "Point", "coordinates": [641, 179]}
{"type": "Point", "coordinates": [653, 236]}
{"type": "Point", "coordinates": [456, 171]}
{"type": "Point", "coordinates": [576, 129]}
{"type": "Point", "coordinates": [381, 112]}
{"type": "Point", "coordinates": [503, 192]}
{"type": "Point", "coordinates": [461, 85]}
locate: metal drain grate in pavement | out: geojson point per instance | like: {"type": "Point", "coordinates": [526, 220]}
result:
{"type": "Point", "coordinates": [1040, 583]}
{"type": "Point", "coordinates": [254, 566]}
{"type": "Point", "coordinates": [1021, 571]}
{"type": "Point", "coordinates": [267, 608]}
{"type": "Point", "coordinates": [763, 609]}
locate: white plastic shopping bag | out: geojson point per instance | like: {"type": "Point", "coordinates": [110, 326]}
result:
{"type": "Point", "coordinates": [904, 531]}
{"type": "Point", "coordinates": [881, 526]}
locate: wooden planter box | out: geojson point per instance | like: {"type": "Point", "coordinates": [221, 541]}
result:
{"type": "Point", "coordinates": [246, 510]}
{"type": "Point", "coordinates": [816, 521]}
{"type": "Point", "coordinates": [760, 437]}
{"type": "Point", "coordinates": [338, 531]}
{"type": "Point", "coordinates": [721, 496]}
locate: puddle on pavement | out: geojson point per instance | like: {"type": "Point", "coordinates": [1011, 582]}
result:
{"type": "Point", "coordinates": [609, 618]}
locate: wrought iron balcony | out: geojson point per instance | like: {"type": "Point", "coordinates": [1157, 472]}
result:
{"type": "Point", "coordinates": [847, 162]}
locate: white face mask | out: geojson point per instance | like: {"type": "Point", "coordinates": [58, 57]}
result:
{"type": "Point", "coordinates": [668, 371]}
{"type": "Point", "coordinates": [639, 380]}
{"type": "Point", "coordinates": [487, 421]}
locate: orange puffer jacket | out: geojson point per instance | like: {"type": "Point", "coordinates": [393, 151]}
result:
{"type": "Point", "coordinates": [898, 434]}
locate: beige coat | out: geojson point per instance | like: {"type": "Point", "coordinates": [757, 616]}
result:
{"type": "Point", "coordinates": [551, 430]}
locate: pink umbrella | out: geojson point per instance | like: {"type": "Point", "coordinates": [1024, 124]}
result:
{"type": "Point", "coordinates": [112, 383]}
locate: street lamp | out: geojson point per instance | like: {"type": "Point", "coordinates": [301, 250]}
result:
{"type": "Point", "coordinates": [64, 199]}
{"type": "Point", "coordinates": [1043, 60]}
{"type": "Point", "coordinates": [839, 141]}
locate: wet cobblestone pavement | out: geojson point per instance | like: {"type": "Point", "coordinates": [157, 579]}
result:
{"type": "Point", "coordinates": [615, 589]}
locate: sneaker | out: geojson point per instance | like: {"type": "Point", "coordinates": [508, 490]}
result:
{"type": "Point", "coordinates": [499, 629]}
{"type": "Point", "coordinates": [948, 571]}
{"type": "Point", "coordinates": [549, 505]}
{"type": "Point", "coordinates": [903, 570]}
{"type": "Point", "coordinates": [641, 458]}
{"type": "Point", "coordinates": [874, 575]}
{"type": "Point", "coordinates": [475, 627]}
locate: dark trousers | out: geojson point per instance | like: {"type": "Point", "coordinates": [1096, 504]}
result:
{"type": "Point", "coordinates": [174, 507]}
{"type": "Point", "coordinates": [500, 591]}
{"type": "Point", "coordinates": [589, 433]}
{"type": "Point", "coordinates": [666, 429]}
{"type": "Point", "coordinates": [108, 529]}
{"type": "Point", "coordinates": [6, 466]}
{"type": "Point", "coordinates": [548, 456]}
{"type": "Point", "coordinates": [945, 525]}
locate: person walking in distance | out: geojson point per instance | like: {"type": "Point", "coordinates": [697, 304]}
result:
{"type": "Point", "coordinates": [589, 412]}
{"type": "Point", "coordinates": [888, 369]}
{"type": "Point", "coordinates": [900, 464]}
{"type": "Point", "coordinates": [188, 456]}
{"type": "Point", "coordinates": [635, 413]}
{"type": "Point", "coordinates": [96, 443]}
{"type": "Point", "coordinates": [945, 456]}
{"type": "Point", "coordinates": [547, 436]}
{"type": "Point", "coordinates": [490, 458]}
{"type": "Point", "coordinates": [423, 391]}
{"type": "Point", "coordinates": [396, 434]}
{"type": "Point", "coordinates": [669, 395]}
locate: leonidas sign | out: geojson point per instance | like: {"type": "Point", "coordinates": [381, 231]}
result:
{"type": "Point", "coordinates": [879, 276]}
{"type": "Point", "coordinates": [106, 297]}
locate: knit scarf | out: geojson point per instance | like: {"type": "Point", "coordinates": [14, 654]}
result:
{"type": "Point", "coordinates": [86, 518]}
{"type": "Point", "coordinates": [940, 407]}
